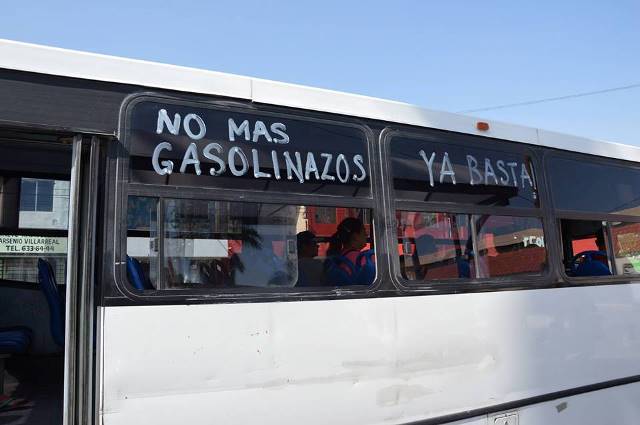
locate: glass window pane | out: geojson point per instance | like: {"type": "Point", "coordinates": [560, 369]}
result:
{"type": "Point", "coordinates": [44, 204]}
{"type": "Point", "coordinates": [28, 195]}
{"type": "Point", "coordinates": [220, 244]}
{"type": "Point", "coordinates": [44, 195]}
{"type": "Point", "coordinates": [142, 237]}
{"type": "Point", "coordinates": [245, 150]}
{"type": "Point", "coordinates": [626, 247]}
{"type": "Point", "coordinates": [435, 246]}
{"type": "Point", "coordinates": [581, 185]}
{"type": "Point", "coordinates": [141, 213]}
{"type": "Point", "coordinates": [325, 215]}
{"type": "Point", "coordinates": [432, 170]}
{"type": "Point", "coordinates": [510, 245]}
{"type": "Point", "coordinates": [584, 248]}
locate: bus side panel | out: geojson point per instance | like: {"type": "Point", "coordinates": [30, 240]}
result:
{"type": "Point", "coordinates": [382, 360]}
{"type": "Point", "coordinates": [617, 405]}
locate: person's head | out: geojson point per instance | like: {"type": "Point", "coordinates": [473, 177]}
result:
{"type": "Point", "coordinates": [307, 244]}
{"type": "Point", "coordinates": [350, 234]}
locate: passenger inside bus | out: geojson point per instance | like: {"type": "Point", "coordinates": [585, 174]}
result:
{"type": "Point", "coordinates": [310, 268]}
{"type": "Point", "coordinates": [585, 249]}
{"type": "Point", "coordinates": [218, 244]}
{"type": "Point", "coordinates": [347, 263]}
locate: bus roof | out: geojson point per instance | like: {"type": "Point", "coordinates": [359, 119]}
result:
{"type": "Point", "coordinates": [91, 66]}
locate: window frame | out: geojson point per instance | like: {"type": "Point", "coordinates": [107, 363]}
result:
{"type": "Point", "coordinates": [124, 188]}
{"type": "Point", "coordinates": [438, 286]}
{"type": "Point", "coordinates": [559, 215]}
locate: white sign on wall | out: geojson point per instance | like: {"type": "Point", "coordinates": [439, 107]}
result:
{"type": "Point", "coordinates": [20, 244]}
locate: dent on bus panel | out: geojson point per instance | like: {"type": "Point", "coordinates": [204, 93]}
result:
{"type": "Point", "coordinates": [221, 244]}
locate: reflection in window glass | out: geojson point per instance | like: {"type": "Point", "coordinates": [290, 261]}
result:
{"type": "Point", "coordinates": [142, 236]}
{"type": "Point", "coordinates": [510, 245]}
{"type": "Point", "coordinates": [584, 248]}
{"type": "Point", "coordinates": [28, 194]}
{"type": "Point", "coordinates": [608, 188]}
{"type": "Point", "coordinates": [435, 246]}
{"type": "Point", "coordinates": [220, 244]}
{"type": "Point", "coordinates": [626, 247]}
{"type": "Point", "coordinates": [141, 213]}
{"type": "Point", "coordinates": [325, 215]}
{"type": "Point", "coordinates": [44, 204]}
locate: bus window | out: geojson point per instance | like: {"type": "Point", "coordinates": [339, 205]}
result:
{"type": "Point", "coordinates": [433, 170]}
{"type": "Point", "coordinates": [438, 246]}
{"type": "Point", "coordinates": [597, 247]}
{"type": "Point", "coordinates": [142, 238]}
{"type": "Point", "coordinates": [610, 189]}
{"type": "Point", "coordinates": [510, 245]}
{"type": "Point", "coordinates": [191, 243]}
{"type": "Point", "coordinates": [584, 248]}
{"type": "Point", "coordinates": [221, 244]}
{"type": "Point", "coordinates": [246, 150]}
{"type": "Point", "coordinates": [434, 245]}
{"type": "Point", "coordinates": [626, 247]}
{"type": "Point", "coordinates": [440, 169]}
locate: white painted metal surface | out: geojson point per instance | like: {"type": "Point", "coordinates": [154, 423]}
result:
{"type": "Point", "coordinates": [368, 361]}
{"type": "Point", "coordinates": [62, 62]}
{"type": "Point", "coordinates": [619, 405]}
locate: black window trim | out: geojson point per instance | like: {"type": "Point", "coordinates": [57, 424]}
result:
{"type": "Point", "coordinates": [245, 294]}
{"type": "Point", "coordinates": [235, 195]}
{"type": "Point", "coordinates": [511, 282]}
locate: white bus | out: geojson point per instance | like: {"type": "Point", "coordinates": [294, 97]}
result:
{"type": "Point", "coordinates": [186, 246]}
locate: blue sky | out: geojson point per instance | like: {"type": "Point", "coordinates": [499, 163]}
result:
{"type": "Point", "coordinates": [448, 55]}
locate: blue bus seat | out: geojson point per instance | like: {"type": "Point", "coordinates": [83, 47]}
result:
{"type": "Point", "coordinates": [363, 272]}
{"type": "Point", "coordinates": [590, 263]}
{"type": "Point", "coordinates": [49, 287]}
{"type": "Point", "coordinates": [136, 275]}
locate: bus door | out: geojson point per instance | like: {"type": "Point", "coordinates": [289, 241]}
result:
{"type": "Point", "coordinates": [47, 233]}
